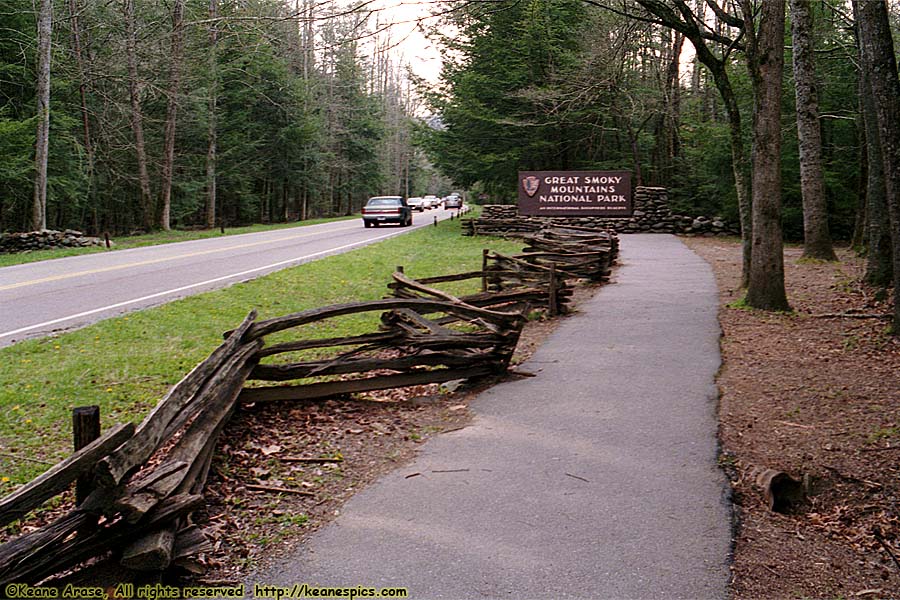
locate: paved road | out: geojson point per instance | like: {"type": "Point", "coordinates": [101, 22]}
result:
{"type": "Point", "coordinates": [595, 479]}
{"type": "Point", "coordinates": [39, 298]}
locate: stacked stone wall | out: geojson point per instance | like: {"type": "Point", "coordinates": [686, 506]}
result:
{"type": "Point", "coordinates": [651, 215]}
{"type": "Point", "coordinates": [45, 240]}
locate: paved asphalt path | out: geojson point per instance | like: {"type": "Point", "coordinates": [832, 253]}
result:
{"type": "Point", "coordinates": [595, 479]}
{"type": "Point", "coordinates": [39, 298]}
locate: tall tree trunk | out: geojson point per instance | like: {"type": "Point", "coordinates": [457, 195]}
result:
{"type": "Point", "coordinates": [816, 236]}
{"type": "Point", "coordinates": [308, 49]}
{"type": "Point", "coordinates": [42, 145]}
{"type": "Point", "coordinates": [168, 165]}
{"type": "Point", "coordinates": [738, 166]}
{"type": "Point", "coordinates": [859, 241]}
{"type": "Point", "coordinates": [765, 62]}
{"type": "Point", "coordinates": [137, 116]}
{"type": "Point", "coordinates": [881, 67]}
{"type": "Point", "coordinates": [82, 89]}
{"type": "Point", "coordinates": [211, 133]}
{"type": "Point", "coordinates": [683, 20]}
{"type": "Point", "coordinates": [635, 153]}
{"type": "Point", "coordinates": [673, 106]}
{"type": "Point", "coordinates": [696, 72]}
{"type": "Point", "coordinates": [879, 259]}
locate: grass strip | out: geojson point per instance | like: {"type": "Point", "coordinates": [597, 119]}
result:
{"type": "Point", "coordinates": [126, 364]}
{"type": "Point", "coordinates": [154, 239]}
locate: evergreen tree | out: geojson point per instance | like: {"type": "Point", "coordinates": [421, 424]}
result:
{"type": "Point", "coordinates": [501, 75]}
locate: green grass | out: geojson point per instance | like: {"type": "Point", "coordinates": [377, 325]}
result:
{"type": "Point", "coordinates": [154, 239]}
{"type": "Point", "coordinates": [741, 304]}
{"type": "Point", "coordinates": [126, 364]}
{"type": "Point", "coordinates": [883, 434]}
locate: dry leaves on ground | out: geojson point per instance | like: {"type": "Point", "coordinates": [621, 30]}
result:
{"type": "Point", "coordinates": [358, 440]}
{"type": "Point", "coordinates": [818, 397]}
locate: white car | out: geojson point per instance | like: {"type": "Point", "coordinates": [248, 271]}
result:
{"type": "Point", "coordinates": [416, 203]}
{"type": "Point", "coordinates": [453, 201]}
{"type": "Point", "coordinates": [431, 201]}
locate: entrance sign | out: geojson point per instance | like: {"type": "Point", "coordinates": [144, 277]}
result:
{"type": "Point", "coordinates": [575, 193]}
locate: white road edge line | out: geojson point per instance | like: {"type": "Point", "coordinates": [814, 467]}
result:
{"type": "Point", "coordinates": [194, 285]}
{"type": "Point", "coordinates": [162, 259]}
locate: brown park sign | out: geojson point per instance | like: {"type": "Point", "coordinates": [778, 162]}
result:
{"type": "Point", "coordinates": [575, 193]}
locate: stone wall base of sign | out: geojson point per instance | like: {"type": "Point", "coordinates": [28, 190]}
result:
{"type": "Point", "coordinates": [45, 240]}
{"type": "Point", "coordinates": [651, 215]}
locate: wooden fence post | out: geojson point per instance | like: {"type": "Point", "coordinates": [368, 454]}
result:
{"type": "Point", "coordinates": [552, 298]}
{"type": "Point", "coordinates": [85, 429]}
{"type": "Point", "coordinates": [484, 262]}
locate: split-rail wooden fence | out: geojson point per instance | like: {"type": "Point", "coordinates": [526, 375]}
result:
{"type": "Point", "coordinates": [507, 284]}
{"type": "Point", "coordinates": [499, 227]}
{"type": "Point", "coordinates": [579, 253]}
{"type": "Point", "coordinates": [146, 481]}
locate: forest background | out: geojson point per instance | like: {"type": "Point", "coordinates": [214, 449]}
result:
{"type": "Point", "coordinates": [194, 114]}
{"type": "Point", "coordinates": [197, 113]}
{"type": "Point", "coordinates": [290, 110]}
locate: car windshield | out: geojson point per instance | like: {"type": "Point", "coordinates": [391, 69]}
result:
{"type": "Point", "coordinates": [383, 202]}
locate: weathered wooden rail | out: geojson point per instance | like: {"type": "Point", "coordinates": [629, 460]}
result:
{"type": "Point", "coordinates": [575, 251]}
{"type": "Point", "coordinates": [139, 485]}
{"type": "Point", "coordinates": [146, 481]}
{"type": "Point", "coordinates": [415, 349]}
{"type": "Point", "coordinates": [581, 234]}
{"type": "Point", "coordinates": [498, 227]}
{"type": "Point", "coordinates": [507, 284]}
{"type": "Point", "coordinates": [144, 506]}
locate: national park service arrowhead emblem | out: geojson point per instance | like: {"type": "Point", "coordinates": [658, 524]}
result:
{"type": "Point", "coordinates": [531, 185]}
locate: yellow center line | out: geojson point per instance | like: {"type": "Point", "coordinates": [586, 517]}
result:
{"type": "Point", "coordinates": [153, 261]}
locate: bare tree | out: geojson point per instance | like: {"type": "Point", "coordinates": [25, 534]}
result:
{"type": "Point", "coordinates": [816, 236]}
{"type": "Point", "coordinates": [168, 163]}
{"type": "Point", "coordinates": [682, 19]}
{"type": "Point", "coordinates": [211, 135]}
{"type": "Point", "coordinates": [137, 117]}
{"type": "Point", "coordinates": [82, 89]}
{"type": "Point", "coordinates": [765, 62]}
{"type": "Point", "coordinates": [42, 145]}
{"type": "Point", "coordinates": [858, 241]}
{"type": "Point", "coordinates": [667, 138]}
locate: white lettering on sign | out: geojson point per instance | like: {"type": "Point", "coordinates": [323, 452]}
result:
{"type": "Point", "coordinates": [603, 179]}
{"type": "Point", "coordinates": [582, 189]}
{"type": "Point", "coordinates": [581, 198]}
{"type": "Point", "coordinates": [552, 180]}
{"type": "Point", "coordinates": [570, 193]}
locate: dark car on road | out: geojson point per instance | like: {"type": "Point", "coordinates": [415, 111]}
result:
{"type": "Point", "coordinates": [386, 209]}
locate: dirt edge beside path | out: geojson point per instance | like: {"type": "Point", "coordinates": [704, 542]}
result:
{"type": "Point", "coordinates": [816, 397]}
